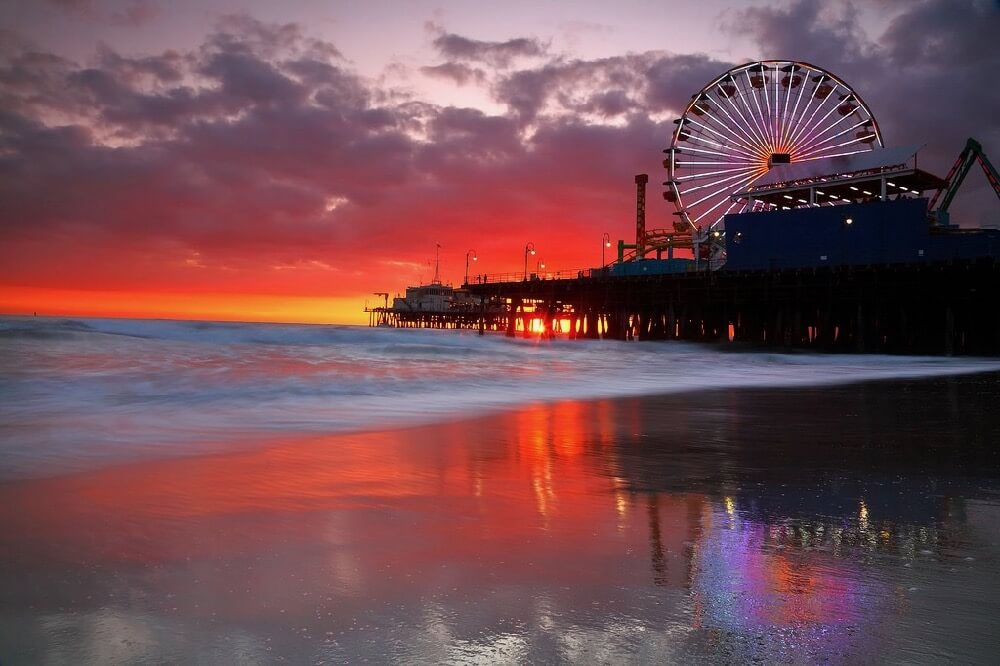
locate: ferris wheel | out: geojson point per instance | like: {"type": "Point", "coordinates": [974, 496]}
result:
{"type": "Point", "coordinates": [751, 118]}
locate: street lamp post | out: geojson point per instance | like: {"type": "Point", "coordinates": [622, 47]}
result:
{"type": "Point", "coordinates": [539, 267]}
{"type": "Point", "coordinates": [529, 248]}
{"type": "Point", "coordinates": [474, 258]}
{"type": "Point", "coordinates": [605, 244]}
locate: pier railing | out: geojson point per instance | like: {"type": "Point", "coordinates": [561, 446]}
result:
{"type": "Point", "coordinates": [571, 274]}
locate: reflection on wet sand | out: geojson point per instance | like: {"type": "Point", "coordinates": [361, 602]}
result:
{"type": "Point", "coordinates": [665, 529]}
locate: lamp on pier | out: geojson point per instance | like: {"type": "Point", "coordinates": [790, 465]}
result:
{"type": "Point", "coordinates": [475, 257]}
{"type": "Point", "coordinates": [529, 248]}
{"type": "Point", "coordinates": [606, 238]}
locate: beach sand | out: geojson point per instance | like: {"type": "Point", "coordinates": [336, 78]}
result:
{"type": "Point", "coordinates": [857, 523]}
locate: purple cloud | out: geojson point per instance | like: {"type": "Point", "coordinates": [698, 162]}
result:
{"type": "Point", "coordinates": [496, 54]}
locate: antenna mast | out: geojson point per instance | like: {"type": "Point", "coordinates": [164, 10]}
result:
{"type": "Point", "coordinates": [437, 264]}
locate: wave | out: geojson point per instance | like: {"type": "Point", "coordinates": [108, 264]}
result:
{"type": "Point", "coordinates": [96, 387]}
{"type": "Point", "coordinates": [41, 328]}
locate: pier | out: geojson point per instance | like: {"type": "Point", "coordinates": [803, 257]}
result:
{"type": "Point", "coordinates": [825, 240]}
{"type": "Point", "coordinates": [919, 308]}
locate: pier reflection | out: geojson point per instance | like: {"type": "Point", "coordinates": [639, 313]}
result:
{"type": "Point", "coordinates": [579, 531]}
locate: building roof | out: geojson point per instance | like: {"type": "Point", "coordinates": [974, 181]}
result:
{"type": "Point", "coordinates": [842, 179]}
{"type": "Point", "coordinates": [880, 158]}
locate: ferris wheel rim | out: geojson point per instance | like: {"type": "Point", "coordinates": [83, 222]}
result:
{"type": "Point", "coordinates": [736, 142]}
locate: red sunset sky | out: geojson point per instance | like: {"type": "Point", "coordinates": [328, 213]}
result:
{"type": "Point", "coordinates": [256, 161]}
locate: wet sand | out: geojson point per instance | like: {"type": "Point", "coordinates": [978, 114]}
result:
{"type": "Point", "coordinates": [852, 524]}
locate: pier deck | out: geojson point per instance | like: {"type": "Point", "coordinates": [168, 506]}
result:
{"type": "Point", "coordinates": [920, 308]}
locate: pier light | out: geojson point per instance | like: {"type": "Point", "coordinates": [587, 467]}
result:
{"type": "Point", "coordinates": [606, 238]}
{"type": "Point", "coordinates": [848, 220]}
{"type": "Point", "coordinates": [529, 248]}
{"type": "Point", "coordinates": [475, 257]}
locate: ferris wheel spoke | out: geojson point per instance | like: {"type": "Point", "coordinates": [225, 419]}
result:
{"type": "Point", "coordinates": [723, 200]}
{"type": "Point", "coordinates": [746, 126]}
{"type": "Point", "coordinates": [705, 152]}
{"type": "Point", "coordinates": [777, 117]}
{"type": "Point", "coordinates": [810, 135]}
{"type": "Point", "coordinates": [732, 136]}
{"type": "Point", "coordinates": [813, 136]}
{"type": "Point", "coordinates": [760, 112]}
{"type": "Point", "coordinates": [766, 116]}
{"type": "Point", "coordinates": [823, 137]}
{"type": "Point", "coordinates": [720, 181]}
{"type": "Point", "coordinates": [732, 150]}
{"type": "Point", "coordinates": [687, 164]}
{"type": "Point", "coordinates": [809, 129]}
{"type": "Point", "coordinates": [692, 136]}
{"type": "Point", "coordinates": [811, 149]}
{"type": "Point", "coordinates": [786, 139]}
{"type": "Point", "coordinates": [730, 139]}
{"type": "Point", "coordinates": [839, 145]}
{"type": "Point", "coordinates": [797, 120]}
{"type": "Point", "coordinates": [708, 174]}
{"type": "Point", "coordinates": [734, 125]}
{"type": "Point", "coordinates": [749, 120]}
{"type": "Point", "coordinates": [784, 113]}
{"type": "Point", "coordinates": [804, 127]}
{"type": "Point", "coordinates": [745, 179]}
{"type": "Point", "coordinates": [823, 157]}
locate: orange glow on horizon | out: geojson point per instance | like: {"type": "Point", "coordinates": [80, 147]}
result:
{"type": "Point", "coordinates": [168, 305]}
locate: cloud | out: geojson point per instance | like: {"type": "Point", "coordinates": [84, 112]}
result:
{"type": "Point", "coordinates": [135, 13]}
{"type": "Point", "coordinates": [456, 72]}
{"type": "Point", "coordinates": [650, 82]}
{"type": "Point", "coordinates": [128, 13]}
{"type": "Point", "coordinates": [258, 134]}
{"type": "Point", "coordinates": [497, 54]}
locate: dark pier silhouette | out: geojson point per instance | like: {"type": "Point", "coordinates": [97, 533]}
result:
{"type": "Point", "coordinates": [921, 308]}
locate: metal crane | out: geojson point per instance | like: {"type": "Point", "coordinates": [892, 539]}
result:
{"type": "Point", "coordinates": [971, 153]}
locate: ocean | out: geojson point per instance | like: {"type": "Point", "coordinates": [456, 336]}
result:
{"type": "Point", "coordinates": [196, 492]}
{"type": "Point", "coordinates": [80, 393]}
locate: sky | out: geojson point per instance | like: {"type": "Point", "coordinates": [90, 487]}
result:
{"type": "Point", "coordinates": [261, 161]}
